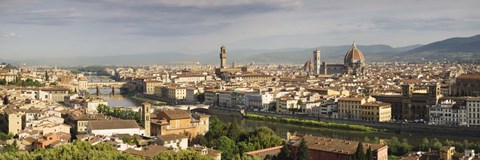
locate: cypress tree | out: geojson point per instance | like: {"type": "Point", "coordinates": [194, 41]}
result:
{"type": "Point", "coordinates": [46, 76]}
{"type": "Point", "coordinates": [359, 154]}
{"type": "Point", "coordinates": [284, 153]}
{"type": "Point", "coordinates": [5, 100]}
{"type": "Point", "coordinates": [303, 152]}
{"type": "Point", "coordinates": [369, 155]}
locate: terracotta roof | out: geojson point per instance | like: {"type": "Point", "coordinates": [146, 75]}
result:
{"type": "Point", "coordinates": [376, 104]}
{"type": "Point", "coordinates": [176, 114]}
{"type": "Point", "coordinates": [114, 124]}
{"type": "Point", "coordinates": [351, 99]}
{"type": "Point", "coordinates": [469, 76]}
{"type": "Point", "coordinates": [149, 151]}
{"type": "Point", "coordinates": [335, 145]}
{"type": "Point", "coordinates": [265, 152]}
{"type": "Point", "coordinates": [169, 137]}
{"type": "Point", "coordinates": [354, 55]}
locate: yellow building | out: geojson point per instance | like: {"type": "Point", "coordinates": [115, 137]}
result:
{"type": "Point", "coordinates": [177, 93]}
{"type": "Point", "coordinates": [8, 77]}
{"type": "Point", "coordinates": [82, 84]}
{"type": "Point", "coordinates": [175, 121]}
{"type": "Point", "coordinates": [12, 120]}
{"type": "Point", "coordinates": [330, 92]}
{"type": "Point", "coordinates": [255, 78]}
{"type": "Point", "coordinates": [149, 86]}
{"type": "Point", "coordinates": [378, 112]}
{"type": "Point", "coordinates": [446, 152]}
{"type": "Point", "coordinates": [284, 104]}
{"type": "Point", "coordinates": [350, 107]}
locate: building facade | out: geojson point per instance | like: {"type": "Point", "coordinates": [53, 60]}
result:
{"type": "Point", "coordinates": [448, 113]}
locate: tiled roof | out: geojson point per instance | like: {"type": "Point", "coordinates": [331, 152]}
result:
{"type": "Point", "coordinates": [335, 145]}
{"type": "Point", "coordinates": [169, 137]}
{"type": "Point", "coordinates": [114, 124]}
{"type": "Point", "coordinates": [176, 114]}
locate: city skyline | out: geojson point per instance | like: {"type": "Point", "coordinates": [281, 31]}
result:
{"type": "Point", "coordinates": [105, 28]}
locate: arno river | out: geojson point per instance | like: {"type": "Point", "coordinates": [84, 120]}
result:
{"type": "Point", "coordinates": [282, 129]}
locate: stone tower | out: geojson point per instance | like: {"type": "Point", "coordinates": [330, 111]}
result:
{"type": "Point", "coordinates": [316, 62]}
{"type": "Point", "coordinates": [146, 118]}
{"type": "Point", "coordinates": [223, 57]}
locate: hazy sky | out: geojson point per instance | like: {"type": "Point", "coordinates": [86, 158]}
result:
{"type": "Point", "coordinates": [66, 28]}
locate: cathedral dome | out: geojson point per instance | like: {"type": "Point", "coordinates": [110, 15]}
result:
{"type": "Point", "coordinates": [354, 55]}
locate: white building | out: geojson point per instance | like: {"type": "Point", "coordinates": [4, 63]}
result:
{"type": "Point", "coordinates": [174, 141]}
{"type": "Point", "coordinates": [211, 97]}
{"type": "Point", "coordinates": [325, 110]}
{"type": "Point", "coordinates": [93, 104]}
{"type": "Point", "coordinates": [285, 104]}
{"type": "Point", "coordinates": [191, 78]}
{"type": "Point", "coordinates": [307, 106]}
{"type": "Point", "coordinates": [259, 101]}
{"type": "Point", "coordinates": [448, 113]}
{"type": "Point", "coordinates": [225, 99]}
{"type": "Point", "coordinates": [110, 127]}
{"type": "Point", "coordinates": [473, 111]}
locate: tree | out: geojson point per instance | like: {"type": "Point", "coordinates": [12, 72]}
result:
{"type": "Point", "coordinates": [201, 97]}
{"type": "Point", "coordinates": [217, 129]}
{"type": "Point", "coordinates": [5, 136]}
{"type": "Point", "coordinates": [436, 144]}
{"type": "Point", "coordinates": [284, 153]}
{"type": "Point", "coordinates": [359, 154]}
{"type": "Point", "coordinates": [425, 145]}
{"type": "Point", "coordinates": [11, 147]}
{"type": "Point", "coordinates": [5, 100]}
{"type": "Point", "coordinates": [376, 140]}
{"type": "Point", "coordinates": [3, 82]}
{"type": "Point", "coordinates": [369, 155]}
{"type": "Point", "coordinates": [46, 77]}
{"type": "Point", "coordinates": [135, 140]}
{"type": "Point", "coordinates": [199, 139]}
{"type": "Point", "coordinates": [366, 139]}
{"type": "Point", "coordinates": [233, 131]}
{"type": "Point", "coordinates": [227, 146]}
{"type": "Point", "coordinates": [303, 152]}
{"type": "Point", "coordinates": [181, 155]}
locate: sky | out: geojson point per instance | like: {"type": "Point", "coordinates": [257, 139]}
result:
{"type": "Point", "coordinates": [72, 28]}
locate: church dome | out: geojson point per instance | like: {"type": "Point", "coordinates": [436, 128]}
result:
{"type": "Point", "coordinates": [354, 55]}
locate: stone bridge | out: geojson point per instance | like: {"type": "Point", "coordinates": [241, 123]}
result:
{"type": "Point", "coordinates": [105, 84]}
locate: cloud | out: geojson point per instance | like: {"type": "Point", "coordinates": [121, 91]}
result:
{"type": "Point", "coordinates": [8, 35]}
{"type": "Point", "coordinates": [53, 16]}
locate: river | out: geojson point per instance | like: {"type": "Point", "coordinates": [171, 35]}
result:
{"type": "Point", "coordinates": [282, 129]}
{"type": "Point", "coordinates": [117, 99]}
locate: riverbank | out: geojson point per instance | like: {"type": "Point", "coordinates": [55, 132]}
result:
{"type": "Point", "coordinates": [311, 123]}
{"type": "Point", "coordinates": [151, 101]}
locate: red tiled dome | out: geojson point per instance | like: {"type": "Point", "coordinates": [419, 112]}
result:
{"type": "Point", "coordinates": [354, 55]}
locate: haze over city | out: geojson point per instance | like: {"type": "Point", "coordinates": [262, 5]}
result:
{"type": "Point", "coordinates": [57, 28]}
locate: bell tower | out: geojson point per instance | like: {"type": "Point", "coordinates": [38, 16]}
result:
{"type": "Point", "coordinates": [316, 62]}
{"type": "Point", "coordinates": [223, 57]}
{"type": "Point", "coordinates": [146, 118]}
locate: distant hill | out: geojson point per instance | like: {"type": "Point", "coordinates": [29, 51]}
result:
{"type": "Point", "coordinates": [459, 48]}
{"type": "Point", "coordinates": [259, 56]}
{"type": "Point", "coordinates": [330, 54]}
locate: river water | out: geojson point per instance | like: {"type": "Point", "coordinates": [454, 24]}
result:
{"type": "Point", "coordinates": [281, 129]}
{"type": "Point", "coordinates": [115, 100]}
